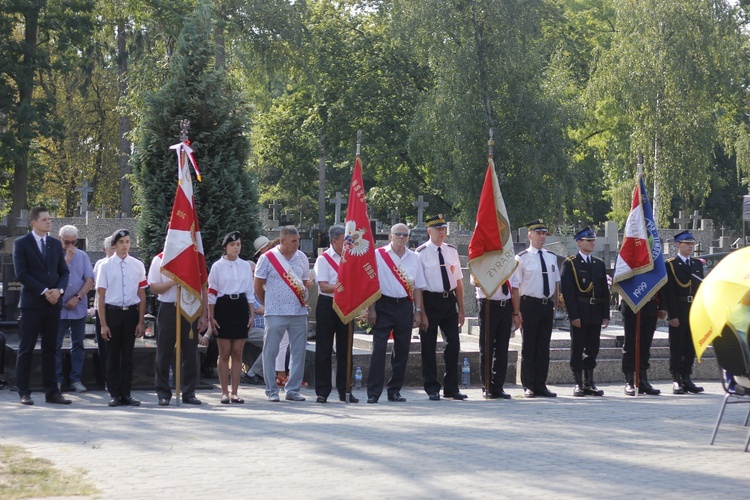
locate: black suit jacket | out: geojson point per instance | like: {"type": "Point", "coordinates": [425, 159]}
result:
{"type": "Point", "coordinates": [578, 279]}
{"type": "Point", "coordinates": [681, 283]}
{"type": "Point", "coordinates": [35, 274]}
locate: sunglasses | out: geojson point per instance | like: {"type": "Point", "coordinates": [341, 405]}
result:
{"type": "Point", "coordinates": [405, 235]}
{"type": "Point", "coordinates": [66, 242]}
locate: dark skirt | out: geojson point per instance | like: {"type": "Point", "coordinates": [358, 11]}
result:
{"type": "Point", "coordinates": [232, 314]}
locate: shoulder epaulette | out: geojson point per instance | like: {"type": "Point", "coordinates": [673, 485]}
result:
{"type": "Point", "coordinates": [551, 253]}
{"type": "Point", "coordinates": [450, 246]}
{"type": "Point", "coordinates": [572, 257]}
{"type": "Point", "coordinates": [421, 247]}
{"type": "Point", "coordinates": [523, 253]}
{"type": "Point", "coordinates": [670, 259]}
{"type": "Point", "coordinates": [597, 258]}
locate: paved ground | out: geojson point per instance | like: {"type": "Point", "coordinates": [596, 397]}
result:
{"type": "Point", "coordinates": [613, 447]}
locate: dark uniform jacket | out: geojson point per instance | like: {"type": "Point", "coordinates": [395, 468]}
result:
{"type": "Point", "coordinates": [35, 274]}
{"type": "Point", "coordinates": [585, 290]}
{"type": "Point", "coordinates": [682, 284]}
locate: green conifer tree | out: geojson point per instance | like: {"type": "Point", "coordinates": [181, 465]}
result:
{"type": "Point", "coordinates": [196, 90]}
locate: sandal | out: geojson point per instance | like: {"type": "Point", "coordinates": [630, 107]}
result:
{"type": "Point", "coordinates": [225, 400]}
{"type": "Point", "coordinates": [237, 400]}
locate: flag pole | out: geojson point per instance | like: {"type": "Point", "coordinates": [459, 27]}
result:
{"type": "Point", "coordinates": [351, 323]}
{"type": "Point", "coordinates": [184, 124]}
{"type": "Point", "coordinates": [487, 355]}
{"type": "Point", "coordinates": [637, 374]}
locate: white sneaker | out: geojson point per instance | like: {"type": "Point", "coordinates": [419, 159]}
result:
{"type": "Point", "coordinates": [274, 398]}
{"type": "Point", "coordinates": [79, 387]}
{"type": "Point", "coordinates": [294, 396]}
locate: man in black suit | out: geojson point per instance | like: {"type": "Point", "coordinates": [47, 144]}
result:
{"type": "Point", "coordinates": [684, 275]}
{"type": "Point", "coordinates": [40, 267]}
{"type": "Point", "coordinates": [584, 287]}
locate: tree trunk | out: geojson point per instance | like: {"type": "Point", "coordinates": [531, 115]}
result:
{"type": "Point", "coordinates": [126, 195]}
{"type": "Point", "coordinates": [322, 183]}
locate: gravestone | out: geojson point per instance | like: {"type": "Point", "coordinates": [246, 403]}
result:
{"type": "Point", "coordinates": [11, 290]}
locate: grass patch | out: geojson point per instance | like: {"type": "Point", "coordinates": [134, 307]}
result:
{"type": "Point", "coordinates": [23, 476]}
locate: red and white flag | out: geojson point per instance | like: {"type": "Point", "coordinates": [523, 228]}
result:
{"type": "Point", "coordinates": [358, 284]}
{"type": "Point", "coordinates": [184, 260]}
{"type": "Point", "coordinates": [491, 255]}
{"type": "Point", "coordinates": [635, 254]}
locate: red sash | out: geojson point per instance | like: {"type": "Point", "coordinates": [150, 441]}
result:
{"type": "Point", "coordinates": [299, 290]}
{"type": "Point", "coordinates": [398, 273]}
{"type": "Point", "coordinates": [331, 262]}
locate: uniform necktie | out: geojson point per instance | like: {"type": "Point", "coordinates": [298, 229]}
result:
{"type": "Point", "coordinates": [444, 272]}
{"type": "Point", "coordinates": [545, 283]}
{"type": "Point", "coordinates": [687, 261]}
{"type": "Point", "coordinates": [43, 247]}
{"type": "Point", "coordinates": [506, 290]}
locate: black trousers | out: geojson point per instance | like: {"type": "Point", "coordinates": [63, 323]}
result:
{"type": "Point", "coordinates": [122, 325]}
{"type": "Point", "coordinates": [44, 321]}
{"type": "Point", "coordinates": [648, 327]}
{"type": "Point", "coordinates": [2, 353]}
{"type": "Point", "coordinates": [165, 352]}
{"type": "Point", "coordinates": [681, 348]}
{"type": "Point", "coordinates": [441, 312]}
{"type": "Point", "coordinates": [501, 322]}
{"type": "Point", "coordinates": [394, 315]}
{"type": "Point", "coordinates": [584, 346]}
{"type": "Point", "coordinates": [536, 334]}
{"type": "Point", "coordinates": [329, 325]}
{"type": "Point", "coordinates": [101, 347]}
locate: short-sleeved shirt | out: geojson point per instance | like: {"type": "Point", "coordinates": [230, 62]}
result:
{"type": "Point", "coordinates": [155, 276]}
{"type": "Point", "coordinates": [80, 271]}
{"type": "Point", "coordinates": [390, 286]}
{"type": "Point", "coordinates": [122, 278]}
{"type": "Point", "coordinates": [280, 299]}
{"type": "Point", "coordinates": [428, 256]}
{"type": "Point", "coordinates": [229, 277]}
{"type": "Point", "coordinates": [529, 272]}
{"type": "Point", "coordinates": [323, 270]}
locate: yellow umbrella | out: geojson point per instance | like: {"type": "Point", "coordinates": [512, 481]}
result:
{"type": "Point", "coordinates": [719, 294]}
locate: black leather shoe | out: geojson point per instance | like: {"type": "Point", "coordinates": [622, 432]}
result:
{"type": "Point", "coordinates": [114, 402]}
{"type": "Point", "coordinates": [3, 382]}
{"type": "Point", "coordinates": [129, 401]}
{"type": "Point", "coordinates": [491, 396]}
{"type": "Point", "coordinates": [352, 398]}
{"type": "Point", "coordinates": [578, 391]}
{"type": "Point", "coordinates": [629, 389]}
{"type": "Point", "coordinates": [321, 399]}
{"type": "Point", "coordinates": [57, 399]}
{"type": "Point", "coordinates": [646, 388]}
{"type": "Point", "coordinates": [546, 393]}
{"type": "Point", "coordinates": [191, 400]}
{"type": "Point", "coordinates": [26, 400]}
{"type": "Point", "coordinates": [372, 400]}
{"type": "Point", "coordinates": [163, 401]}
{"type": "Point", "coordinates": [434, 396]}
{"type": "Point", "coordinates": [592, 390]}
{"type": "Point", "coordinates": [501, 394]}
{"type": "Point", "coordinates": [455, 395]}
{"type": "Point", "coordinates": [528, 393]}
{"type": "Point", "coordinates": [689, 386]}
{"type": "Point", "coordinates": [677, 388]}
{"type": "Point", "coordinates": [396, 398]}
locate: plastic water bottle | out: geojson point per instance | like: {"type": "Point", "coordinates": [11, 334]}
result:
{"type": "Point", "coordinates": [358, 378]}
{"type": "Point", "coordinates": [466, 374]}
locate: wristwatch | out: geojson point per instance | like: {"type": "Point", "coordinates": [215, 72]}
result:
{"type": "Point", "coordinates": [418, 310]}
{"type": "Point", "coordinates": [61, 290]}
{"type": "Point", "coordinates": [78, 296]}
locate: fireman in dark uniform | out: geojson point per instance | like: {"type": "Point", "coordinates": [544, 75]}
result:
{"type": "Point", "coordinates": [684, 275]}
{"type": "Point", "coordinates": [584, 287]}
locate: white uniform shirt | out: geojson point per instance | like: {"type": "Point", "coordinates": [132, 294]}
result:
{"type": "Point", "coordinates": [280, 299]}
{"type": "Point", "coordinates": [389, 285]}
{"type": "Point", "coordinates": [529, 272]}
{"type": "Point", "coordinates": [498, 295]}
{"type": "Point", "coordinates": [122, 278]}
{"type": "Point", "coordinates": [323, 270]}
{"type": "Point", "coordinates": [428, 256]}
{"type": "Point", "coordinates": [156, 276]}
{"type": "Point", "coordinates": [228, 277]}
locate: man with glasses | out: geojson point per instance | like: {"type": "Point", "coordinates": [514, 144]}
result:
{"type": "Point", "coordinates": [586, 293]}
{"type": "Point", "coordinates": [443, 308]}
{"type": "Point", "coordinates": [399, 310]}
{"type": "Point", "coordinates": [75, 306]}
{"type": "Point", "coordinates": [538, 276]}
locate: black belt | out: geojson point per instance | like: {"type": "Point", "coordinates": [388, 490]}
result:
{"type": "Point", "coordinates": [233, 296]}
{"type": "Point", "coordinates": [543, 301]}
{"type": "Point", "coordinates": [395, 300]}
{"type": "Point", "coordinates": [442, 295]}
{"type": "Point", "coordinates": [110, 307]}
{"type": "Point", "coordinates": [688, 299]}
{"type": "Point", "coordinates": [494, 302]}
{"type": "Point", "coordinates": [592, 300]}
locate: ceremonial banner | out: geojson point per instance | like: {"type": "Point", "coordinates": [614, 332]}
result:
{"type": "Point", "coordinates": [358, 284]}
{"type": "Point", "coordinates": [184, 260]}
{"type": "Point", "coordinates": [491, 256]}
{"type": "Point", "coordinates": [639, 269]}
